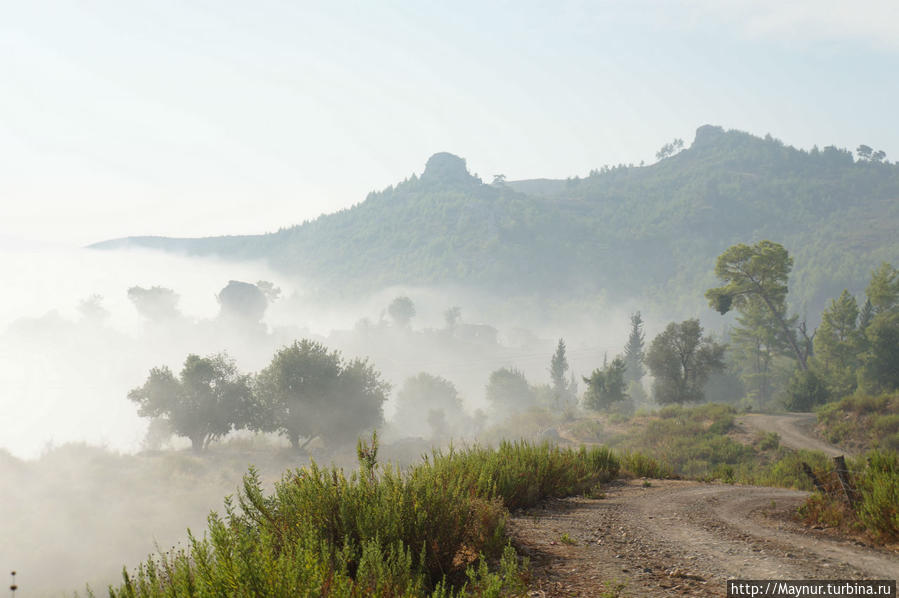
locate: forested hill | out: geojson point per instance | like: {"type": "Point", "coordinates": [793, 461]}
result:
{"type": "Point", "coordinates": [625, 231]}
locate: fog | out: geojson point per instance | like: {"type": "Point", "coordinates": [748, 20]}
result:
{"type": "Point", "coordinates": [88, 491]}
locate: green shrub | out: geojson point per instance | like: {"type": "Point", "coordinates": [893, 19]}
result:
{"type": "Point", "coordinates": [805, 391]}
{"type": "Point", "coordinates": [862, 420]}
{"type": "Point", "coordinates": [377, 532]}
{"type": "Point", "coordinates": [878, 509]}
{"type": "Point", "coordinates": [643, 466]}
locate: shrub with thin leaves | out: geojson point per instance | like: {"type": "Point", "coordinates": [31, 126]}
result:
{"type": "Point", "coordinates": [432, 530]}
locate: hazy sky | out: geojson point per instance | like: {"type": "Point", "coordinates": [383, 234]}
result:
{"type": "Point", "coordinates": [208, 117]}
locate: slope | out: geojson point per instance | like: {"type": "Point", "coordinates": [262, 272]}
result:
{"type": "Point", "coordinates": [624, 231]}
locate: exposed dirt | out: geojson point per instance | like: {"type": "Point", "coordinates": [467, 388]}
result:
{"type": "Point", "coordinates": [794, 429]}
{"type": "Point", "coordinates": [678, 538]}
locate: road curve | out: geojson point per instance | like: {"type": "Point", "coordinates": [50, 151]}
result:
{"type": "Point", "coordinates": [794, 430]}
{"type": "Point", "coordinates": [677, 538]}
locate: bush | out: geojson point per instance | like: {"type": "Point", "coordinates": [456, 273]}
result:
{"type": "Point", "coordinates": [378, 531]}
{"type": "Point", "coordinates": [644, 466]}
{"type": "Point", "coordinates": [805, 391]}
{"type": "Point", "coordinates": [878, 509]}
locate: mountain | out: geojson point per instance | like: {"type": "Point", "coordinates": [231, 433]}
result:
{"type": "Point", "coordinates": [622, 232]}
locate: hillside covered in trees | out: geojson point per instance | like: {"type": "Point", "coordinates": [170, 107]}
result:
{"type": "Point", "coordinates": [625, 231]}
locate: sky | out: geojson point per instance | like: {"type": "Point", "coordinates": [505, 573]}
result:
{"type": "Point", "coordinates": [210, 117]}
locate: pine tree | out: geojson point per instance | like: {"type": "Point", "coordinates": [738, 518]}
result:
{"type": "Point", "coordinates": [633, 351]}
{"type": "Point", "coordinates": [558, 368]}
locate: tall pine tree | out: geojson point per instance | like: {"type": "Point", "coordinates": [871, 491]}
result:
{"type": "Point", "coordinates": [633, 350]}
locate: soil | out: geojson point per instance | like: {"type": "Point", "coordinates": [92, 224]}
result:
{"type": "Point", "coordinates": [795, 431]}
{"type": "Point", "coordinates": [682, 538]}
{"type": "Point", "coordinates": [676, 538]}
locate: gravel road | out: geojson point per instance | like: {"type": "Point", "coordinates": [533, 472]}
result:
{"type": "Point", "coordinates": [679, 538]}
{"type": "Point", "coordinates": [794, 430]}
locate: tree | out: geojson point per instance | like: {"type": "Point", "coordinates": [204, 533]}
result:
{"type": "Point", "coordinates": [680, 360]}
{"type": "Point", "coordinates": [880, 363]}
{"type": "Point", "coordinates": [757, 273]}
{"type": "Point", "coordinates": [805, 390]}
{"type": "Point", "coordinates": [606, 386]}
{"type": "Point", "coordinates": [558, 368]}
{"type": "Point", "coordinates": [883, 290]}
{"type": "Point", "coordinates": [864, 152]}
{"type": "Point", "coordinates": [156, 303]}
{"type": "Point", "coordinates": [401, 310]}
{"type": "Point", "coordinates": [669, 149]}
{"type": "Point", "coordinates": [756, 341]}
{"type": "Point", "coordinates": [309, 392]}
{"type": "Point", "coordinates": [868, 154]}
{"type": "Point", "coordinates": [838, 344]}
{"type": "Point", "coordinates": [207, 400]}
{"type": "Point", "coordinates": [430, 399]}
{"type": "Point", "coordinates": [452, 316]}
{"type": "Point", "coordinates": [242, 301]}
{"type": "Point", "coordinates": [563, 390]}
{"type": "Point", "coordinates": [633, 350]}
{"type": "Point", "coordinates": [92, 310]}
{"type": "Point", "coordinates": [508, 392]}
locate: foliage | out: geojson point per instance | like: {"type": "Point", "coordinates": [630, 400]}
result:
{"type": "Point", "coordinates": [558, 368]}
{"type": "Point", "coordinates": [755, 344]}
{"type": "Point", "coordinates": [243, 301]}
{"type": "Point", "coordinates": [376, 532]}
{"type": "Point", "coordinates": [401, 310]}
{"type": "Point", "coordinates": [697, 442]}
{"type": "Point", "coordinates": [606, 386]}
{"type": "Point", "coordinates": [630, 228]}
{"type": "Point", "coordinates": [307, 391]}
{"type": "Point", "coordinates": [838, 344]}
{"type": "Point", "coordinates": [680, 360]}
{"type": "Point", "coordinates": [875, 486]}
{"type": "Point", "coordinates": [878, 509]}
{"type": "Point", "coordinates": [207, 400]}
{"type": "Point", "coordinates": [669, 149]}
{"type": "Point", "coordinates": [644, 466]}
{"type": "Point", "coordinates": [156, 303]}
{"type": "Point", "coordinates": [452, 316]}
{"type": "Point", "coordinates": [862, 421]}
{"type": "Point", "coordinates": [633, 350]}
{"type": "Point", "coordinates": [883, 290]}
{"type": "Point", "coordinates": [755, 279]}
{"type": "Point", "coordinates": [805, 391]}
{"type": "Point", "coordinates": [434, 400]}
{"type": "Point", "coordinates": [508, 392]}
{"type": "Point", "coordinates": [880, 363]}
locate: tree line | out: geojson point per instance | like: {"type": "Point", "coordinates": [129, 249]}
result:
{"type": "Point", "coordinates": [856, 346]}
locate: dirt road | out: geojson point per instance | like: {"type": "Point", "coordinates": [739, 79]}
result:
{"type": "Point", "coordinates": [677, 538]}
{"type": "Point", "coordinates": [794, 430]}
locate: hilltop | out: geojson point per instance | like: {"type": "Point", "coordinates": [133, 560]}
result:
{"type": "Point", "coordinates": [621, 232]}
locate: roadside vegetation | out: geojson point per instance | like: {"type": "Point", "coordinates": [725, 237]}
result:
{"type": "Point", "coordinates": [862, 421]}
{"type": "Point", "coordinates": [869, 505]}
{"type": "Point", "coordinates": [436, 529]}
